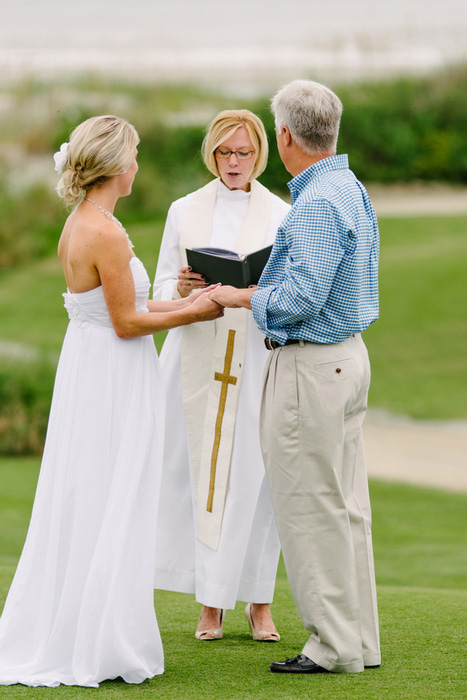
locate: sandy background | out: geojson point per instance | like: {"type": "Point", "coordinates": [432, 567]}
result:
{"type": "Point", "coordinates": [245, 47]}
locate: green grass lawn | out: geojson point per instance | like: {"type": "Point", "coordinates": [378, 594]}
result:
{"type": "Point", "coordinates": [421, 568]}
{"type": "Point", "coordinates": [417, 348]}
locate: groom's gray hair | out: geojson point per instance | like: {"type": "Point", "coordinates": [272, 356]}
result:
{"type": "Point", "coordinates": [312, 113]}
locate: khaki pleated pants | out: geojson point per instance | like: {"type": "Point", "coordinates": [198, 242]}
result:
{"type": "Point", "coordinates": [314, 403]}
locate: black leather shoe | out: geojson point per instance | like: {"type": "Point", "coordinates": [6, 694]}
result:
{"type": "Point", "coordinates": [299, 664]}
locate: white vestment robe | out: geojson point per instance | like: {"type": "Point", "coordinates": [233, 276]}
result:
{"type": "Point", "coordinates": [235, 556]}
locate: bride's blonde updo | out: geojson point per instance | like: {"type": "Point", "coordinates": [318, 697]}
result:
{"type": "Point", "coordinates": [99, 148]}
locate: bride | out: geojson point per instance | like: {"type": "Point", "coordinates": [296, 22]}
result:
{"type": "Point", "coordinates": [80, 609]}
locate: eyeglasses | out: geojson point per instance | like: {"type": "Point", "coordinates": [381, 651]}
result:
{"type": "Point", "coordinates": [241, 155]}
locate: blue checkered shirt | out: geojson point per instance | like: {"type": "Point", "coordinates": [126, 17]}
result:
{"type": "Point", "coordinates": [321, 281]}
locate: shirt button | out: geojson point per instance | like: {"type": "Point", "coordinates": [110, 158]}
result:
{"type": "Point", "coordinates": [338, 370]}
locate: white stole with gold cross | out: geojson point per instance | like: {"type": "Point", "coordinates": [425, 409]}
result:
{"type": "Point", "coordinates": [212, 363]}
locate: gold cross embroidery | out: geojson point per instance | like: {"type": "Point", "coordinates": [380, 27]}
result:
{"type": "Point", "coordinates": [225, 378]}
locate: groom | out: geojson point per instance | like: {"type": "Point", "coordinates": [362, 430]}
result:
{"type": "Point", "coordinates": [317, 294]}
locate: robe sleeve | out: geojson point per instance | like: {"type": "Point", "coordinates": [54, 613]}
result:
{"type": "Point", "coordinates": [169, 261]}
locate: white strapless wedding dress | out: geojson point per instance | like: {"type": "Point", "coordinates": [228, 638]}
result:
{"type": "Point", "coordinates": [81, 606]}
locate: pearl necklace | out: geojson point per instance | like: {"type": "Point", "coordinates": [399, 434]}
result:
{"type": "Point", "coordinates": [112, 217]}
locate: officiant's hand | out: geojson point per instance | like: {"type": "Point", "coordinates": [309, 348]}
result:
{"type": "Point", "coordinates": [232, 297]}
{"type": "Point", "coordinates": [189, 280]}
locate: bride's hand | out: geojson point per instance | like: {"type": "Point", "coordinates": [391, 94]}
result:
{"type": "Point", "coordinates": [196, 294]}
{"type": "Point", "coordinates": [205, 308]}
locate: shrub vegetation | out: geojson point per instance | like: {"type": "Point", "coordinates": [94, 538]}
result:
{"type": "Point", "coordinates": [25, 395]}
{"type": "Point", "coordinates": [410, 129]}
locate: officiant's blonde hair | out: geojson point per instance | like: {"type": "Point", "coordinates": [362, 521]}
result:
{"type": "Point", "coordinates": [99, 148]}
{"type": "Point", "coordinates": [224, 126]}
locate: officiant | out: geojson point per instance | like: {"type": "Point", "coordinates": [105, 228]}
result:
{"type": "Point", "coordinates": [216, 535]}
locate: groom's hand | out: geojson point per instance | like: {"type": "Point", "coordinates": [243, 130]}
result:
{"type": "Point", "coordinates": [232, 297]}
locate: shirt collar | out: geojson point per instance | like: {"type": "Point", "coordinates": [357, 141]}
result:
{"type": "Point", "coordinates": [224, 191]}
{"type": "Point", "coordinates": [307, 176]}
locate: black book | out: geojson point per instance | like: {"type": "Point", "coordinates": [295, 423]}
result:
{"type": "Point", "coordinates": [228, 267]}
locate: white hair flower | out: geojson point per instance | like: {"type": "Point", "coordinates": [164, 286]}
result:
{"type": "Point", "coordinates": [61, 157]}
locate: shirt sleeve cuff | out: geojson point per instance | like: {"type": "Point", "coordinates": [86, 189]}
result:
{"type": "Point", "coordinates": [259, 302]}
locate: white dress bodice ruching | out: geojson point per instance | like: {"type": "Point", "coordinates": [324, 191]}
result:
{"type": "Point", "coordinates": [90, 307]}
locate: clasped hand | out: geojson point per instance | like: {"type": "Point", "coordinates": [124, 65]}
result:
{"type": "Point", "coordinates": [208, 309]}
{"type": "Point", "coordinates": [232, 297]}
